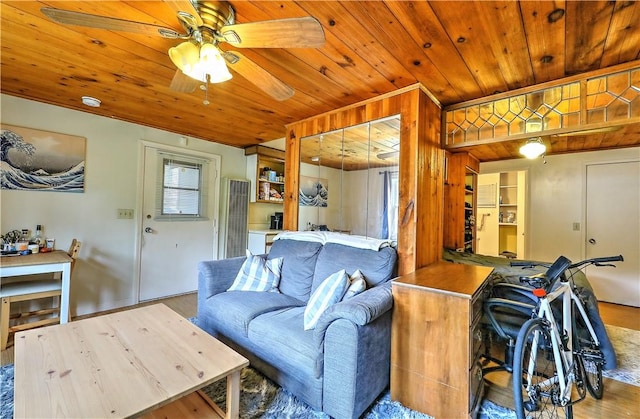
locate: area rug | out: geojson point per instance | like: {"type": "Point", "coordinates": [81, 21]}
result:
{"type": "Point", "coordinates": [626, 343]}
{"type": "Point", "coordinates": [261, 398]}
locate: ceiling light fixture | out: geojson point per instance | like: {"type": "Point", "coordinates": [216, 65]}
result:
{"type": "Point", "coordinates": [91, 101]}
{"type": "Point", "coordinates": [388, 155]}
{"type": "Point", "coordinates": [203, 63]}
{"type": "Point", "coordinates": [534, 148]}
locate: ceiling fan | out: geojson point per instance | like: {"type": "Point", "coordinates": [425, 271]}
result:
{"type": "Point", "coordinates": [200, 58]}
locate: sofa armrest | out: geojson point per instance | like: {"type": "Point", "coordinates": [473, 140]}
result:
{"type": "Point", "coordinates": [357, 363]}
{"type": "Point", "coordinates": [361, 309]}
{"type": "Point", "coordinates": [216, 276]}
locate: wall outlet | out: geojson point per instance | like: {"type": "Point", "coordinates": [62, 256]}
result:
{"type": "Point", "coordinates": [576, 226]}
{"type": "Point", "coordinates": [125, 213]}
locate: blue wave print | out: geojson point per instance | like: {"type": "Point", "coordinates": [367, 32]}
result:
{"type": "Point", "coordinates": [69, 181]}
{"type": "Point", "coordinates": [11, 177]}
{"type": "Point", "coordinates": [316, 196]}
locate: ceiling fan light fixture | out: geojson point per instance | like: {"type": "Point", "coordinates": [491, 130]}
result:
{"type": "Point", "coordinates": [198, 63]}
{"type": "Point", "coordinates": [388, 155]}
{"type": "Point", "coordinates": [184, 56]}
{"type": "Point", "coordinates": [212, 63]}
{"type": "Point", "coordinates": [534, 148]}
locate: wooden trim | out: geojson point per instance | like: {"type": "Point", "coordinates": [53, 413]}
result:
{"type": "Point", "coordinates": [571, 79]}
{"type": "Point", "coordinates": [264, 151]}
{"type": "Point", "coordinates": [459, 147]}
{"type": "Point", "coordinates": [31, 325]}
{"type": "Point", "coordinates": [376, 99]}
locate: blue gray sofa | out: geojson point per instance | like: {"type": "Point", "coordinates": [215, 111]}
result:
{"type": "Point", "coordinates": [342, 365]}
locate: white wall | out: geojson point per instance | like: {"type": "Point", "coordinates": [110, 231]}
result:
{"type": "Point", "coordinates": [105, 273]}
{"type": "Point", "coordinates": [556, 199]}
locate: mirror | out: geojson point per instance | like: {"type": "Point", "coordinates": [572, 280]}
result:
{"type": "Point", "coordinates": [349, 180]}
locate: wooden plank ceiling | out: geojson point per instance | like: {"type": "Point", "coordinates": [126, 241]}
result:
{"type": "Point", "coordinates": [458, 51]}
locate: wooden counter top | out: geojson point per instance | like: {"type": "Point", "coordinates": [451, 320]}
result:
{"type": "Point", "coordinates": [446, 277]}
{"type": "Point", "coordinates": [57, 256]}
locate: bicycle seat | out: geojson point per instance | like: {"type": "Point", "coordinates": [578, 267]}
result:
{"type": "Point", "coordinates": [547, 279]}
{"type": "Point", "coordinates": [536, 281]}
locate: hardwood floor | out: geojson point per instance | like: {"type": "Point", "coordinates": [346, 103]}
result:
{"type": "Point", "coordinates": [620, 400]}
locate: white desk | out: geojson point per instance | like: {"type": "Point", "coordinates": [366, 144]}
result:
{"type": "Point", "coordinates": [260, 241]}
{"type": "Point", "coordinates": [39, 263]}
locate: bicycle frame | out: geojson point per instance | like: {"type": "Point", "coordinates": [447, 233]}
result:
{"type": "Point", "coordinates": [562, 347]}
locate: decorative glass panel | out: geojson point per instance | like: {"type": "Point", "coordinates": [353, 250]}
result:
{"type": "Point", "coordinates": [609, 98]}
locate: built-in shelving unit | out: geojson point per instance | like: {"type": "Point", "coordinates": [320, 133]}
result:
{"type": "Point", "coordinates": [460, 202]}
{"type": "Point", "coordinates": [469, 210]}
{"type": "Point", "coordinates": [265, 168]}
{"type": "Point", "coordinates": [508, 220]}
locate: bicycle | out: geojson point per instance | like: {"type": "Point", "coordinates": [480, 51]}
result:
{"type": "Point", "coordinates": [552, 358]}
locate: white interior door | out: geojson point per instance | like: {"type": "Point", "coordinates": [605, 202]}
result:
{"type": "Point", "coordinates": [613, 228]}
{"type": "Point", "coordinates": [173, 240]}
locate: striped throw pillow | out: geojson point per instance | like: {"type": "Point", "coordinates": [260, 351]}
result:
{"type": "Point", "coordinates": [258, 274]}
{"type": "Point", "coordinates": [330, 291]}
{"type": "Point", "coordinates": [357, 284]}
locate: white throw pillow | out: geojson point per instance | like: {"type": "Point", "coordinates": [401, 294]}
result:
{"type": "Point", "coordinates": [330, 291]}
{"type": "Point", "coordinates": [356, 286]}
{"type": "Point", "coordinates": [258, 274]}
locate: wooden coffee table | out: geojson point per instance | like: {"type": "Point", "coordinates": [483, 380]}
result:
{"type": "Point", "coordinates": [128, 363]}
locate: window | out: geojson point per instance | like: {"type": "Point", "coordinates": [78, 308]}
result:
{"type": "Point", "coordinates": [181, 188]}
{"type": "Point", "coordinates": [393, 206]}
{"type": "Point", "coordinates": [390, 195]}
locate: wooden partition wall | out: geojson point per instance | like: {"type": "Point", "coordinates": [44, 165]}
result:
{"type": "Point", "coordinates": [421, 170]}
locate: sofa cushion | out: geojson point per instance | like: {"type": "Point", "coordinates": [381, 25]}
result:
{"type": "Point", "coordinates": [377, 266]}
{"type": "Point", "coordinates": [233, 311]}
{"type": "Point", "coordinates": [329, 292]}
{"type": "Point", "coordinates": [298, 266]}
{"type": "Point", "coordinates": [292, 348]}
{"type": "Point", "coordinates": [258, 274]}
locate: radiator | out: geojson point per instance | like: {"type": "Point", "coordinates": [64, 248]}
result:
{"type": "Point", "coordinates": [237, 217]}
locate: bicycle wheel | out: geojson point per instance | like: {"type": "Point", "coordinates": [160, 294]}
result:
{"type": "Point", "coordinates": [589, 356]}
{"type": "Point", "coordinates": [536, 391]}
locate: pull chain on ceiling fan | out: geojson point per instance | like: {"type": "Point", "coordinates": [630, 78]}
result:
{"type": "Point", "coordinates": [199, 58]}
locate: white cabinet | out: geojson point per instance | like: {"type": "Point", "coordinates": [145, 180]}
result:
{"type": "Point", "coordinates": [260, 241]}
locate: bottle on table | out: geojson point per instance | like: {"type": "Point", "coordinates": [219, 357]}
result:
{"type": "Point", "coordinates": [38, 237]}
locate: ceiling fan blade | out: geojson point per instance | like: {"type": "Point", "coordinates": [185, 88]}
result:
{"type": "Point", "coordinates": [68, 17]}
{"type": "Point", "coordinates": [258, 75]}
{"type": "Point", "coordinates": [185, 6]}
{"type": "Point", "coordinates": [183, 83]}
{"type": "Point", "coordinates": [299, 32]}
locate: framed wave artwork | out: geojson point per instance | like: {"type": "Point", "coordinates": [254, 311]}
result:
{"type": "Point", "coordinates": [35, 160]}
{"type": "Point", "coordinates": [314, 192]}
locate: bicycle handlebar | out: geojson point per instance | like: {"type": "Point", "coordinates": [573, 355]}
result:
{"type": "Point", "coordinates": [558, 267]}
{"type": "Point", "coordinates": [597, 261]}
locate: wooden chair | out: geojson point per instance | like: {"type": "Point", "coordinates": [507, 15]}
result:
{"type": "Point", "coordinates": [29, 290]}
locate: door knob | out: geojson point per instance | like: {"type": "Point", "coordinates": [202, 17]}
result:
{"type": "Point", "coordinates": [592, 241]}
{"type": "Point", "coordinates": [148, 230]}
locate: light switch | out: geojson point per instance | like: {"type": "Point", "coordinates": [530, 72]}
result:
{"type": "Point", "coordinates": [125, 213]}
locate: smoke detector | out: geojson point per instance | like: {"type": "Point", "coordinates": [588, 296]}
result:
{"type": "Point", "coordinates": [91, 101]}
